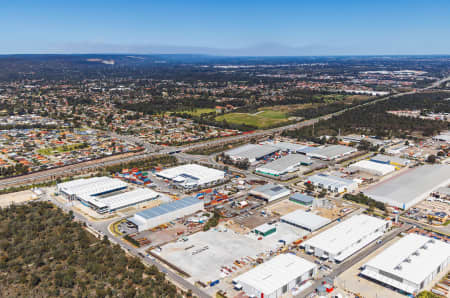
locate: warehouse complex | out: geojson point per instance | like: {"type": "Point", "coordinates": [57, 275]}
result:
{"type": "Point", "coordinates": [346, 238]}
{"type": "Point", "coordinates": [97, 193]}
{"type": "Point", "coordinates": [371, 167]}
{"type": "Point", "coordinates": [410, 264]}
{"type": "Point", "coordinates": [288, 147]}
{"type": "Point", "coordinates": [192, 176]}
{"type": "Point", "coordinates": [390, 160]}
{"type": "Point", "coordinates": [284, 165]}
{"type": "Point", "coordinates": [119, 201]}
{"type": "Point", "coordinates": [81, 188]}
{"type": "Point", "coordinates": [251, 152]}
{"type": "Point", "coordinates": [301, 199]}
{"type": "Point", "coordinates": [333, 183]}
{"type": "Point", "coordinates": [331, 152]}
{"type": "Point", "coordinates": [159, 215]}
{"type": "Point", "coordinates": [277, 276]}
{"type": "Point", "coordinates": [305, 220]}
{"type": "Point", "coordinates": [411, 187]}
{"type": "Point", "coordinates": [270, 192]}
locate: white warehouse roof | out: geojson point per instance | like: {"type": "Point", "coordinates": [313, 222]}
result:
{"type": "Point", "coordinates": [251, 152]}
{"type": "Point", "coordinates": [410, 187]}
{"type": "Point", "coordinates": [192, 174]}
{"type": "Point", "coordinates": [91, 186]}
{"type": "Point", "coordinates": [307, 220]}
{"type": "Point", "coordinates": [372, 167]}
{"type": "Point", "coordinates": [128, 198]}
{"type": "Point", "coordinates": [331, 152]}
{"type": "Point", "coordinates": [341, 236]}
{"type": "Point", "coordinates": [275, 273]}
{"type": "Point", "coordinates": [412, 258]}
{"type": "Point", "coordinates": [284, 164]}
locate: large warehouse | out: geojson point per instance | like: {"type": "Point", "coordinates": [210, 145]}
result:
{"type": "Point", "coordinates": [284, 165]}
{"type": "Point", "coordinates": [332, 152]}
{"type": "Point", "coordinates": [277, 276]}
{"type": "Point", "coordinates": [192, 175]}
{"type": "Point", "coordinates": [390, 160]}
{"type": "Point", "coordinates": [270, 192]}
{"type": "Point", "coordinates": [76, 189]}
{"type": "Point", "coordinates": [410, 187]}
{"type": "Point", "coordinates": [251, 152]}
{"type": "Point", "coordinates": [161, 214]}
{"type": "Point", "coordinates": [305, 220]}
{"type": "Point", "coordinates": [119, 201]}
{"type": "Point", "coordinates": [410, 264]}
{"type": "Point", "coordinates": [371, 167]}
{"type": "Point", "coordinates": [346, 238]}
{"type": "Point", "coordinates": [333, 183]}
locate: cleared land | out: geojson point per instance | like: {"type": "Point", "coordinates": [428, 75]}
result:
{"type": "Point", "coordinates": [198, 112]}
{"type": "Point", "coordinates": [204, 253]}
{"type": "Point", "coordinates": [264, 118]}
{"type": "Point", "coordinates": [16, 198]}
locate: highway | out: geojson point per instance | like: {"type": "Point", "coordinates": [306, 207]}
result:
{"type": "Point", "coordinates": [154, 150]}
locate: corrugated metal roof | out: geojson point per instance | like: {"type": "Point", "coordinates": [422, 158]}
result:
{"type": "Point", "coordinates": [302, 198]}
{"type": "Point", "coordinates": [410, 186]}
{"type": "Point", "coordinates": [169, 207]}
{"type": "Point", "coordinates": [252, 151]}
{"type": "Point", "coordinates": [282, 164]}
{"type": "Point", "coordinates": [304, 219]}
{"type": "Point", "coordinates": [275, 273]}
{"type": "Point", "coordinates": [413, 258]}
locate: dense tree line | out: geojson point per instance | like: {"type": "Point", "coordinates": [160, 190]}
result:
{"type": "Point", "coordinates": [374, 119]}
{"type": "Point", "coordinates": [44, 253]}
{"type": "Point", "coordinates": [144, 164]}
{"type": "Point", "coordinates": [363, 199]}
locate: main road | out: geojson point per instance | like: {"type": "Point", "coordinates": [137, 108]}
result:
{"type": "Point", "coordinates": [153, 150]}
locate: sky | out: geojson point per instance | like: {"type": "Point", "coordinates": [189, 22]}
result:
{"type": "Point", "coordinates": [246, 27]}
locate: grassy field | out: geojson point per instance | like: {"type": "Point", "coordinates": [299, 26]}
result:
{"type": "Point", "coordinates": [60, 149]}
{"type": "Point", "coordinates": [198, 112]}
{"type": "Point", "coordinates": [264, 118]}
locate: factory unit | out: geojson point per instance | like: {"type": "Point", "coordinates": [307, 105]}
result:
{"type": "Point", "coordinates": [410, 264]}
{"type": "Point", "coordinates": [371, 167]}
{"type": "Point", "coordinates": [390, 160]}
{"type": "Point", "coordinates": [119, 201]}
{"type": "Point", "coordinates": [410, 187]}
{"type": "Point", "coordinates": [300, 198]}
{"type": "Point", "coordinates": [82, 188]}
{"type": "Point", "coordinates": [331, 152]}
{"type": "Point", "coordinates": [333, 183]}
{"type": "Point", "coordinates": [305, 220]}
{"type": "Point", "coordinates": [192, 176]}
{"type": "Point", "coordinates": [443, 137]}
{"type": "Point", "coordinates": [346, 238]}
{"type": "Point", "coordinates": [284, 165]}
{"type": "Point", "coordinates": [287, 146]}
{"type": "Point", "coordinates": [270, 192]}
{"type": "Point", "coordinates": [162, 214]}
{"type": "Point", "coordinates": [251, 152]}
{"type": "Point", "coordinates": [265, 229]}
{"type": "Point", "coordinates": [277, 276]}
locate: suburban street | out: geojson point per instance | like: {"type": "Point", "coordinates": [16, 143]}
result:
{"type": "Point", "coordinates": [152, 150]}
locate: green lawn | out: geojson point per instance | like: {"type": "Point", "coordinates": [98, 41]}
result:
{"type": "Point", "coordinates": [262, 119]}
{"type": "Point", "coordinates": [60, 149]}
{"type": "Point", "coordinates": [198, 112]}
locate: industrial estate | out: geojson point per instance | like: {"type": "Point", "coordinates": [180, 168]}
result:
{"type": "Point", "coordinates": [320, 204]}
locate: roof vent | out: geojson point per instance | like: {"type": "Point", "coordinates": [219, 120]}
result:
{"type": "Point", "coordinates": [398, 267]}
{"type": "Point", "coordinates": [408, 260]}
{"type": "Point", "coordinates": [416, 253]}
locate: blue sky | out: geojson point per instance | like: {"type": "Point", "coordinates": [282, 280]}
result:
{"type": "Point", "coordinates": [226, 27]}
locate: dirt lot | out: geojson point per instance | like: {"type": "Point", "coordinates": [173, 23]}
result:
{"type": "Point", "coordinates": [285, 207]}
{"type": "Point", "coordinates": [16, 198]}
